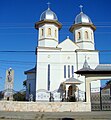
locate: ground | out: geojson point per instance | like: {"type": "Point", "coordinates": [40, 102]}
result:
{"type": "Point", "coordinates": [97, 115]}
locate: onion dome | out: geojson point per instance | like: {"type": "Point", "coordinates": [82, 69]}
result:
{"type": "Point", "coordinates": [82, 18]}
{"type": "Point", "coordinates": [48, 15]}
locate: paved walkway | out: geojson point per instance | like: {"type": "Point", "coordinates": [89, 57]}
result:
{"type": "Point", "coordinates": [99, 115]}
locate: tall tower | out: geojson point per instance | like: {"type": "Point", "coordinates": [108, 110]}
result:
{"type": "Point", "coordinates": [48, 28]}
{"type": "Point", "coordinates": [8, 94]}
{"type": "Point", "coordinates": [83, 31]}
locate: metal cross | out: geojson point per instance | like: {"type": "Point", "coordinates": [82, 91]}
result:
{"type": "Point", "coordinates": [48, 4]}
{"type": "Point", "coordinates": [81, 7]}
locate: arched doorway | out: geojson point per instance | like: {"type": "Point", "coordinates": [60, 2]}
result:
{"type": "Point", "coordinates": [70, 91]}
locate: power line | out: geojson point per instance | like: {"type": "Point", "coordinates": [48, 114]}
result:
{"type": "Point", "coordinates": [13, 51]}
{"type": "Point", "coordinates": [33, 51]}
{"type": "Point", "coordinates": [24, 62]}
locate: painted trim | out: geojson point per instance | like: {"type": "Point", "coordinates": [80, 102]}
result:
{"type": "Point", "coordinates": [48, 39]}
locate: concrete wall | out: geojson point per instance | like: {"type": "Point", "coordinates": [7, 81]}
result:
{"type": "Point", "coordinates": [45, 106]}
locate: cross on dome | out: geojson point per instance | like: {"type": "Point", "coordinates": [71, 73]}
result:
{"type": "Point", "coordinates": [67, 37]}
{"type": "Point", "coordinates": [48, 14]}
{"type": "Point", "coordinates": [48, 5]}
{"type": "Point", "coordinates": [81, 8]}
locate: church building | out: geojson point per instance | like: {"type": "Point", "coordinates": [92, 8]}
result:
{"type": "Point", "coordinates": [56, 62]}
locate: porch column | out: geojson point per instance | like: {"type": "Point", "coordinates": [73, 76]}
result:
{"type": "Point", "coordinates": [67, 87]}
{"type": "Point", "coordinates": [88, 90]}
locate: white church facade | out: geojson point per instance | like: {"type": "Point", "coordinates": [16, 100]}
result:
{"type": "Point", "coordinates": [56, 62]}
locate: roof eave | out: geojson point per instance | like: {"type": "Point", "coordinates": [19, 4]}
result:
{"type": "Point", "coordinates": [37, 24]}
{"type": "Point", "coordinates": [80, 25]}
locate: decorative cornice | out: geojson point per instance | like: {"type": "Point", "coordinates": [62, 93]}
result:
{"type": "Point", "coordinates": [48, 39]}
{"type": "Point", "coordinates": [82, 25]}
{"type": "Point", "coordinates": [48, 48]}
{"type": "Point", "coordinates": [42, 22]}
{"type": "Point", "coordinates": [85, 41]}
{"type": "Point", "coordinates": [85, 50]}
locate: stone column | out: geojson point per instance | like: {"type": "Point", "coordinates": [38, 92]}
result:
{"type": "Point", "coordinates": [77, 93]}
{"type": "Point", "coordinates": [88, 90]}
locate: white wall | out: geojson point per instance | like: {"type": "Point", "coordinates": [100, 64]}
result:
{"type": "Point", "coordinates": [30, 80]}
{"type": "Point", "coordinates": [57, 59]}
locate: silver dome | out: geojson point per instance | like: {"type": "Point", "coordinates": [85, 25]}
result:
{"type": "Point", "coordinates": [48, 15]}
{"type": "Point", "coordinates": [82, 18]}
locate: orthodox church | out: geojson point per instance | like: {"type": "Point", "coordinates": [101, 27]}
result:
{"type": "Point", "coordinates": [56, 63]}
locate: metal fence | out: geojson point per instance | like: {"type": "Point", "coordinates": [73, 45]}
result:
{"type": "Point", "coordinates": [101, 101]}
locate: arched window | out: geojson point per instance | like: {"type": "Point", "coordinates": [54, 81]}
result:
{"type": "Point", "coordinates": [64, 71]}
{"type": "Point", "coordinates": [55, 33]}
{"type": "Point", "coordinates": [78, 35]}
{"type": "Point", "coordinates": [91, 35]}
{"type": "Point", "coordinates": [48, 77]}
{"type": "Point", "coordinates": [42, 32]}
{"type": "Point", "coordinates": [86, 35]}
{"type": "Point", "coordinates": [49, 31]}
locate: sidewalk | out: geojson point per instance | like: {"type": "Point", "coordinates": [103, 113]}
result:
{"type": "Point", "coordinates": [97, 115]}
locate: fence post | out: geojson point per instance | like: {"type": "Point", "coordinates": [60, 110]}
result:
{"type": "Point", "coordinates": [100, 99]}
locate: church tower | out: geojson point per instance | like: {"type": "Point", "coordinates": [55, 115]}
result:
{"type": "Point", "coordinates": [83, 31]}
{"type": "Point", "coordinates": [48, 29]}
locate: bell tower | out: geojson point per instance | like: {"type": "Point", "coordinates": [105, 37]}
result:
{"type": "Point", "coordinates": [83, 31]}
{"type": "Point", "coordinates": [48, 29]}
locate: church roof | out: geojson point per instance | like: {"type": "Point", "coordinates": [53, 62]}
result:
{"type": "Point", "coordinates": [48, 15]}
{"type": "Point", "coordinates": [82, 18]}
{"type": "Point", "coordinates": [105, 67]}
{"type": "Point", "coordinates": [33, 70]}
{"type": "Point", "coordinates": [73, 80]}
{"type": "Point", "coordinates": [68, 45]}
{"type": "Point", "coordinates": [100, 69]}
{"type": "Point", "coordinates": [86, 67]}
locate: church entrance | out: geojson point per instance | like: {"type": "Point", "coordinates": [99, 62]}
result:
{"type": "Point", "coordinates": [71, 89]}
{"type": "Point", "coordinates": [71, 93]}
{"type": "Point", "coordinates": [8, 99]}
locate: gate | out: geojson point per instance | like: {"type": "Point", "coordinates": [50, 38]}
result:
{"type": "Point", "coordinates": [101, 100]}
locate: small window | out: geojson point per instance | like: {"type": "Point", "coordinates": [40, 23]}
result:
{"type": "Point", "coordinates": [55, 33]}
{"type": "Point", "coordinates": [72, 71]}
{"type": "Point", "coordinates": [64, 71]}
{"type": "Point", "coordinates": [78, 35]}
{"type": "Point", "coordinates": [91, 36]}
{"type": "Point", "coordinates": [49, 31]}
{"type": "Point", "coordinates": [48, 77]}
{"type": "Point", "coordinates": [86, 35]}
{"type": "Point", "coordinates": [68, 71]}
{"type": "Point", "coordinates": [42, 32]}
{"type": "Point", "coordinates": [29, 88]}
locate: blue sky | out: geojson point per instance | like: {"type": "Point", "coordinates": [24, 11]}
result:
{"type": "Point", "coordinates": [17, 33]}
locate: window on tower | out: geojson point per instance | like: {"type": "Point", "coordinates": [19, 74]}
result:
{"type": "Point", "coordinates": [86, 35]}
{"type": "Point", "coordinates": [91, 36]}
{"type": "Point", "coordinates": [55, 33]}
{"type": "Point", "coordinates": [42, 32]}
{"type": "Point", "coordinates": [49, 31]}
{"type": "Point", "coordinates": [78, 36]}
